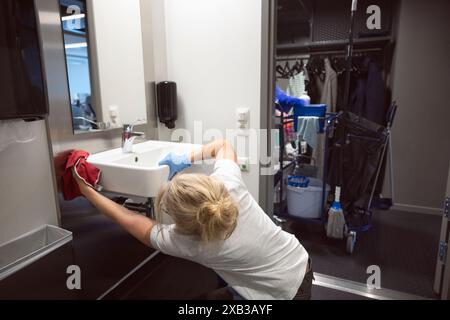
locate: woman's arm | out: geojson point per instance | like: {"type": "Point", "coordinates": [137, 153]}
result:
{"type": "Point", "coordinates": [219, 149]}
{"type": "Point", "coordinates": [135, 224]}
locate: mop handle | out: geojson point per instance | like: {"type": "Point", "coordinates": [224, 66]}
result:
{"type": "Point", "coordinates": [354, 5]}
{"type": "Point", "coordinates": [349, 55]}
{"type": "Point", "coordinates": [345, 107]}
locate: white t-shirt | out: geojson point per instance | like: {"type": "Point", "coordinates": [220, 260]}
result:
{"type": "Point", "coordinates": [259, 260]}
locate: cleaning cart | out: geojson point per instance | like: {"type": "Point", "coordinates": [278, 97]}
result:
{"type": "Point", "coordinates": [354, 156]}
{"type": "Point", "coordinates": [354, 153]}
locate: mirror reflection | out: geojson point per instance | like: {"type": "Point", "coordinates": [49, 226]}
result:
{"type": "Point", "coordinates": [75, 31]}
{"type": "Point", "coordinates": [106, 80]}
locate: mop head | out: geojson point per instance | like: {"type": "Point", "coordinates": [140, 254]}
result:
{"type": "Point", "coordinates": [336, 218]}
{"type": "Point", "coordinates": [336, 224]}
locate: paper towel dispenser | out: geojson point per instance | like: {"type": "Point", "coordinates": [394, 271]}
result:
{"type": "Point", "coordinates": [22, 90]}
{"type": "Point", "coordinates": [166, 93]}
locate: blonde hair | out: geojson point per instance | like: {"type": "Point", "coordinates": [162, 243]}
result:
{"type": "Point", "coordinates": [199, 205]}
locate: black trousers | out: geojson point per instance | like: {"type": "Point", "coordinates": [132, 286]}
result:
{"type": "Point", "coordinates": [304, 292]}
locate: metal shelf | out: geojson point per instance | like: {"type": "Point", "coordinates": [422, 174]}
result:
{"type": "Point", "coordinates": [334, 45]}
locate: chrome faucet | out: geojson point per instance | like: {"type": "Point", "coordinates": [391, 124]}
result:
{"type": "Point", "coordinates": [128, 136]}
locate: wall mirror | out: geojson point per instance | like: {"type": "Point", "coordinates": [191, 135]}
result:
{"type": "Point", "coordinates": [105, 63]}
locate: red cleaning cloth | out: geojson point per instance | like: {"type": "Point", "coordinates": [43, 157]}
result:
{"type": "Point", "coordinates": [86, 171]}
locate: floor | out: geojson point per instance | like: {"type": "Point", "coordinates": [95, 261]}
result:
{"type": "Point", "coordinates": [104, 252]}
{"type": "Point", "coordinates": [404, 245]}
{"type": "Point", "coordinates": [321, 293]}
{"type": "Point", "coordinates": [178, 279]}
{"type": "Point", "coordinates": [168, 279]}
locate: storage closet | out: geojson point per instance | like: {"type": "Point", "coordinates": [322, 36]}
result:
{"type": "Point", "coordinates": [328, 57]}
{"type": "Point", "coordinates": [409, 40]}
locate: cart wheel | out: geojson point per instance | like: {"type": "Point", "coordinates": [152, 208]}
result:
{"type": "Point", "coordinates": [351, 241]}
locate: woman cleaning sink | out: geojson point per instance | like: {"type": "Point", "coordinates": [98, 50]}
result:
{"type": "Point", "coordinates": [218, 224]}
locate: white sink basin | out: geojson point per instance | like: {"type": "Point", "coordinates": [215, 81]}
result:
{"type": "Point", "coordinates": [137, 173]}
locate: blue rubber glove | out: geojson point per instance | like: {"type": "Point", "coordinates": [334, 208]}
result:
{"type": "Point", "coordinates": [176, 163]}
{"type": "Point", "coordinates": [285, 101]}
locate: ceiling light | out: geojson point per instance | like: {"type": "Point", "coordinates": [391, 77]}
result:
{"type": "Point", "coordinates": [76, 45]}
{"type": "Point", "coordinates": [73, 17]}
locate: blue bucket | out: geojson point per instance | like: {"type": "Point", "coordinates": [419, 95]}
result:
{"type": "Point", "coordinates": [298, 181]}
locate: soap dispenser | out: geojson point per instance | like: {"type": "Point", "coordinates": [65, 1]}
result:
{"type": "Point", "coordinates": [166, 93]}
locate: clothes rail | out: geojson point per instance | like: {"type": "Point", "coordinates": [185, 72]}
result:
{"type": "Point", "coordinates": [375, 42]}
{"type": "Point", "coordinates": [335, 53]}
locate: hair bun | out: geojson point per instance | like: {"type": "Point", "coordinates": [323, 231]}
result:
{"type": "Point", "coordinates": [206, 211]}
{"type": "Point", "coordinates": [217, 218]}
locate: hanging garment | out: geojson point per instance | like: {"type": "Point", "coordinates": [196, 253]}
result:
{"type": "Point", "coordinates": [370, 100]}
{"type": "Point", "coordinates": [319, 86]}
{"type": "Point", "coordinates": [358, 97]}
{"type": "Point", "coordinates": [297, 87]}
{"type": "Point", "coordinates": [308, 130]}
{"type": "Point", "coordinates": [369, 96]}
{"type": "Point", "coordinates": [305, 73]}
{"type": "Point", "coordinates": [375, 95]}
{"type": "Point", "coordinates": [330, 87]}
{"type": "Point", "coordinates": [314, 85]}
